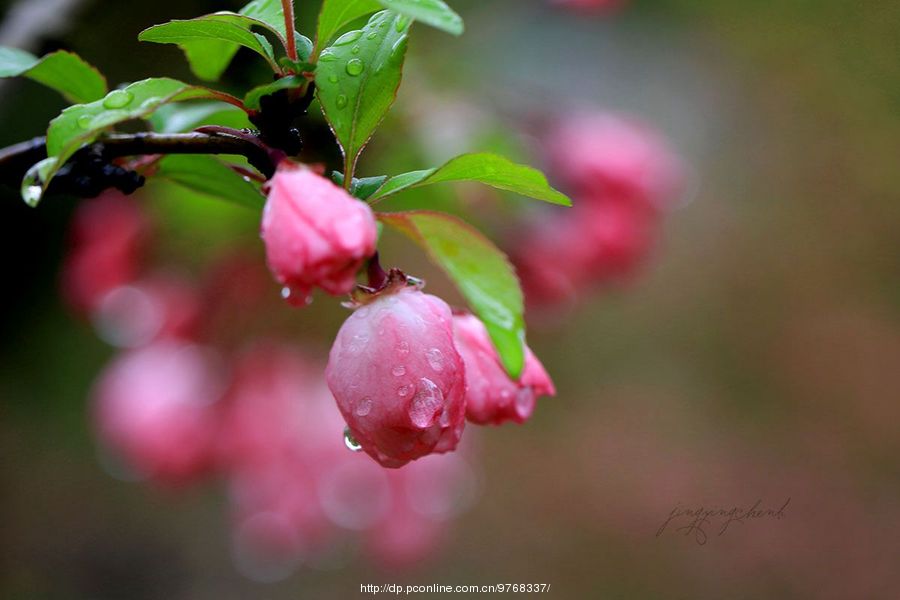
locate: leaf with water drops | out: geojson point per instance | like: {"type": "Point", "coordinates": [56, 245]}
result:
{"type": "Point", "coordinates": [489, 169]}
{"type": "Point", "coordinates": [210, 51]}
{"type": "Point", "coordinates": [62, 71]}
{"type": "Point", "coordinates": [83, 123]}
{"type": "Point", "coordinates": [335, 14]}
{"type": "Point", "coordinates": [176, 118]}
{"type": "Point", "coordinates": [431, 12]}
{"type": "Point", "coordinates": [212, 177]}
{"type": "Point", "coordinates": [479, 269]}
{"type": "Point", "coordinates": [357, 80]}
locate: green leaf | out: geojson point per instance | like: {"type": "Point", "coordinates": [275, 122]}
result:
{"type": "Point", "coordinates": [358, 78]}
{"type": "Point", "coordinates": [489, 169]}
{"type": "Point", "coordinates": [431, 12]}
{"type": "Point", "coordinates": [62, 71]}
{"type": "Point", "coordinates": [360, 188]}
{"type": "Point", "coordinates": [479, 269]}
{"type": "Point", "coordinates": [251, 100]}
{"type": "Point", "coordinates": [212, 177]}
{"type": "Point", "coordinates": [83, 123]}
{"type": "Point", "coordinates": [269, 14]}
{"type": "Point", "coordinates": [335, 14]}
{"type": "Point", "coordinates": [223, 29]}
{"type": "Point", "coordinates": [177, 118]}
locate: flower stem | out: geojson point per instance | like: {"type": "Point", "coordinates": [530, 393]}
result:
{"type": "Point", "coordinates": [291, 40]}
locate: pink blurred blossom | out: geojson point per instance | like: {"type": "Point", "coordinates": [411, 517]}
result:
{"type": "Point", "coordinates": [155, 407]}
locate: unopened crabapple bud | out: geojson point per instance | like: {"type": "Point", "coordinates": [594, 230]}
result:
{"type": "Point", "coordinates": [492, 397]}
{"type": "Point", "coordinates": [315, 233]}
{"type": "Point", "coordinates": [398, 378]}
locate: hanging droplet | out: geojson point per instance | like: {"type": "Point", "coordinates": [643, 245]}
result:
{"type": "Point", "coordinates": [355, 67]}
{"type": "Point", "coordinates": [118, 99]}
{"type": "Point", "coordinates": [350, 441]}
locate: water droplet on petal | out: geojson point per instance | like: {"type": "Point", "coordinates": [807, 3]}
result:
{"type": "Point", "coordinates": [350, 441]}
{"type": "Point", "coordinates": [404, 390]}
{"type": "Point", "coordinates": [364, 407]}
{"type": "Point", "coordinates": [403, 348]}
{"type": "Point", "coordinates": [435, 359]}
{"type": "Point", "coordinates": [118, 99]}
{"type": "Point", "coordinates": [525, 401]}
{"type": "Point", "coordinates": [427, 403]}
{"type": "Point", "coordinates": [399, 371]}
{"type": "Point", "coordinates": [355, 67]}
{"type": "Point", "coordinates": [348, 38]}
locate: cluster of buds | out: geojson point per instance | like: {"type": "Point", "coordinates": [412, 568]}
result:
{"type": "Point", "coordinates": [623, 178]}
{"type": "Point", "coordinates": [406, 373]}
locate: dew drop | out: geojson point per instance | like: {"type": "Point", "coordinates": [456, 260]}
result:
{"type": "Point", "coordinates": [364, 407]}
{"type": "Point", "coordinates": [525, 401]}
{"type": "Point", "coordinates": [427, 403]}
{"type": "Point", "coordinates": [84, 121]}
{"type": "Point", "coordinates": [348, 38]}
{"type": "Point", "coordinates": [399, 371]}
{"type": "Point", "coordinates": [404, 390]}
{"type": "Point", "coordinates": [341, 101]}
{"type": "Point", "coordinates": [401, 23]}
{"type": "Point", "coordinates": [372, 35]}
{"type": "Point", "coordinates": [358, 342]}
{"type": "Point", "coordinates": [333, 78]}
{"type": "Point", "coordinates": [355, 67]}
{"type": "Point", "coordinates": [32, 194]}
{"type": "Point", "coordinates": [435, 359]}
{"type": "Point", "coordinates": [403, 348]}
{"type": "Point", "coordinates": [350, 441]}
{"type": "Point", "coordinates": [355, 49]}
{"type": "Point", "coordinates": [118, 99]}
{"type": "Point", "coordinates": [327, 57]}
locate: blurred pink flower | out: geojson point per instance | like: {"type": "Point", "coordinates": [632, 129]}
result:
{"type": "Point", "coordinates": [398, 378]}
{"type": "Point", "coordinates": [107, 236]}
{"type": "Point", "coordinates": [156, 408]}
{"type": "Point", "coordinates": [605, 156]}
{"type": "Point", "coordinates": [491, 396]}
{"type": "Point", "coordinates": [316, 234]}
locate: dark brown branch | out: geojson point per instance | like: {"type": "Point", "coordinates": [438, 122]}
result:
{"type": "Point", "coordinates": [17, 159]}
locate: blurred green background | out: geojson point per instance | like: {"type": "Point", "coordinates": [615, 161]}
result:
{"type": "Point", "coordinates": [757, 358]}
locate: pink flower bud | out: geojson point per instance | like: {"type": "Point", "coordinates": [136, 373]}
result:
{"type": "Point", "coordinates": [603, 156]}
{"type": "Point", "coordinates": [492, 397]}
{"type": "Point", "coordinates": [315, 233]}
{"type": "Point", "coordinates": [154, 407]}
{"type": "Point", "coordinates": [397, 377]}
